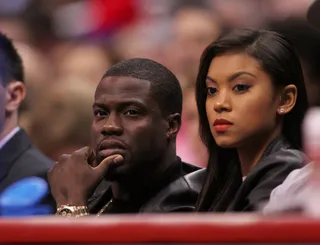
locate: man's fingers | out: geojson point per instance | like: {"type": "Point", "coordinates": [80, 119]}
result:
{"type": "Point", "coordinates": [105, 163]}
{"type": "Point", "coordinates": [89, 153]}
{"type": "Point", "coordinates": [93, 163]}
{"type": "Point", "coordinates": [85, 154]}
{"type": "Point", "coordinates": [91, 157]}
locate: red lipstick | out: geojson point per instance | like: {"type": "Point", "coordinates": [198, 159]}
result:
{"type": "Point", "coordinates": [221, 125]}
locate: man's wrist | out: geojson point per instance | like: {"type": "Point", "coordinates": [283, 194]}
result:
{"type": "Point", "coordinates": [71, 202]}
{"type": "Point", "coordinates": [71, 211]}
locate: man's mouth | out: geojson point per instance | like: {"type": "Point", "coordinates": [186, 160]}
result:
{"type": "Point", "coordinates": [111, 151]}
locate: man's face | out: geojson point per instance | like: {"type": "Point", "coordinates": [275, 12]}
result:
{"type": "Point", "coordinates": [128, 121]}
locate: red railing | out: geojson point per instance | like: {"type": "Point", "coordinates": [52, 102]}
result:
{"type": "Point", "coordinates": [189, 228]}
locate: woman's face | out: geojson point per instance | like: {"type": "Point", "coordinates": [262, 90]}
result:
{"type": "Point", "coordinates": [241, 102]}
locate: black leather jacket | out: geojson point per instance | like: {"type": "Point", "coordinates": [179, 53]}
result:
{"type": "Point", "coordinates": [277, 161]}
{"type": "Point", "coordinates": [177, 193]}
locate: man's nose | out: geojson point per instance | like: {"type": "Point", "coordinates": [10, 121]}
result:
{"type": "Point", "coordinates": [112, 126]}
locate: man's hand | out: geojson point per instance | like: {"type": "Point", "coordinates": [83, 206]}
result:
{"type": "Point", "coordinates": [73, 178]}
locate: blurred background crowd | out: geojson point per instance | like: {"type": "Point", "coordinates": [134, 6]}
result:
{"type": "Point", "coordinates": [67, 45]}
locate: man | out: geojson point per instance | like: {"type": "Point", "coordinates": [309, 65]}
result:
{"type": "Point", "coordinates": [18, 157]}
{"type": "Point", "coordinates": [296, 193]}
{"type": "Point", "coordinates": [137, 116]}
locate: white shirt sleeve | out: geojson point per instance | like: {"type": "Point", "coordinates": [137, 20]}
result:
{"type": "Point", "coordinates": [289, 194]}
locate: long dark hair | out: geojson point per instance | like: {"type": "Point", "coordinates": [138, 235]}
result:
{"type": "Point", "coordinates": [277, 58]}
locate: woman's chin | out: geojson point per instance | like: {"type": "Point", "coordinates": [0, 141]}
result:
{"type": "Point", "coordinates": [227, 144]}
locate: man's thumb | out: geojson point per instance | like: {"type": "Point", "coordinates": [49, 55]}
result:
{"type": "Point", "coordinates": [105, 163]}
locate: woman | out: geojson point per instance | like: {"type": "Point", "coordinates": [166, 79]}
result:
{"type": "Point", "coordinates": [251, 100]}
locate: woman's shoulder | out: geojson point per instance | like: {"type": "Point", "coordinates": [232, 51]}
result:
{"type": "Point", "coordinates": [273, 169]}
{"type": "Point", "coordinates": [280, 163]}
{"type": "Point", "coordinates": [279, 151]}
{"type": "Point", "coordinates": [269, 173]}
{"type": "Point", "coordinates": [282, 158]}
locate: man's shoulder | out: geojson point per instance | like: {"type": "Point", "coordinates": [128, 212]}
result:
{"type": "Point", "coordinates": [36, 157]}
{"type": "Point", "coordinates": [189, 168]}
{"type": "Point", "coordinates": [20, 155]}
{"type": "Point", "coordinates": [179, 196]}
{"type": "Point", "coordinates": [23, 161]}
{"type": "Point", "coordinates": [29, 160]}
{"type": "Point", "coordinates": [30, 163]}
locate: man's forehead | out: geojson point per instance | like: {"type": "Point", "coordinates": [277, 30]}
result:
{"type": "Point", "coordinates": [123, 88]}
{"type": "Point", "coordinates": [120, 82]}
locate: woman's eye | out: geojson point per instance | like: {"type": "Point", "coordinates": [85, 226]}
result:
{"type": "Point", "coordinates": [241, 87]}
{"type": "Point", "coordinates": [211, 91]}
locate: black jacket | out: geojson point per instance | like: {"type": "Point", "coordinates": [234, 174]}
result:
{"type": "Point", "coordinates": [177, 192]}
{"type": "Point", "coordinates": [277, 161]}
{"type": "Point", "coordinates": [20, 159]}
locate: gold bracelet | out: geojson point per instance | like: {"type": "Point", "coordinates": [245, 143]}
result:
{"type": "Point", "coordinates": [72, 211]}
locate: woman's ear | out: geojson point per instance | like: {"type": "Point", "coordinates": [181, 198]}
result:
{"type": "Point", "coordinates": [174, 122]}
{"type": "Point", "coordinates": [288, 99]}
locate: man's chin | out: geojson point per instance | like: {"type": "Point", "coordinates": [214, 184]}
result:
{"type": "Point", "coordinates": [115, 173]}
{"type": "Point", "coordinates": [100, 157]}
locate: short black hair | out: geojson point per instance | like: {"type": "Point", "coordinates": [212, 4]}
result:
{"type": "Point", "coordinates": [11, 67]}
{"type": "Point", "coordinates": [165, 87]}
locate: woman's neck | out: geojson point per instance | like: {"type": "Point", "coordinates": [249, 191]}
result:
{"type": "Point", "coordinates": [250, 153]}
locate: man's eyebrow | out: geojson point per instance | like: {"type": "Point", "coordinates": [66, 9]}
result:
{"type": "Point", "coordinates": [122, 103]}
{"type": "Point", "coordinates": [95, 104]}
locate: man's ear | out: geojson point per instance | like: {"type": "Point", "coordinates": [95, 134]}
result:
{"type": "Point", "coordinates": [288, 99]}
{"type": "Point", "coordinates": [174, 124]}
{"type": "Point", "coordinates": [15, 94]}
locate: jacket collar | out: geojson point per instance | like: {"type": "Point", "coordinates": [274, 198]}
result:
{"type": "Point", "coordinates": [12, 150]}
{"type": "Point", "coordinates": [103, 192]}
{"type": "Point", "coordinates": [276, 144]}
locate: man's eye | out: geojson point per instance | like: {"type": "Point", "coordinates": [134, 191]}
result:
{"type": "Point", "coordinates": [131, 112]}
{"type": "Point", "coordinates": [100, 113]}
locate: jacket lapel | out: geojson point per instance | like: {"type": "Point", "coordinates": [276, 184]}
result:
{"type": "Point", "coordinates": [12, 150]}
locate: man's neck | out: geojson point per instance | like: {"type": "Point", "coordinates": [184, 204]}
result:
{"type": "Point", "coordinates": [10, 123]}
{"type": "Point", "coordinates": [128, 190]}
{"type": "Point", "coordinates": [8, 137]}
